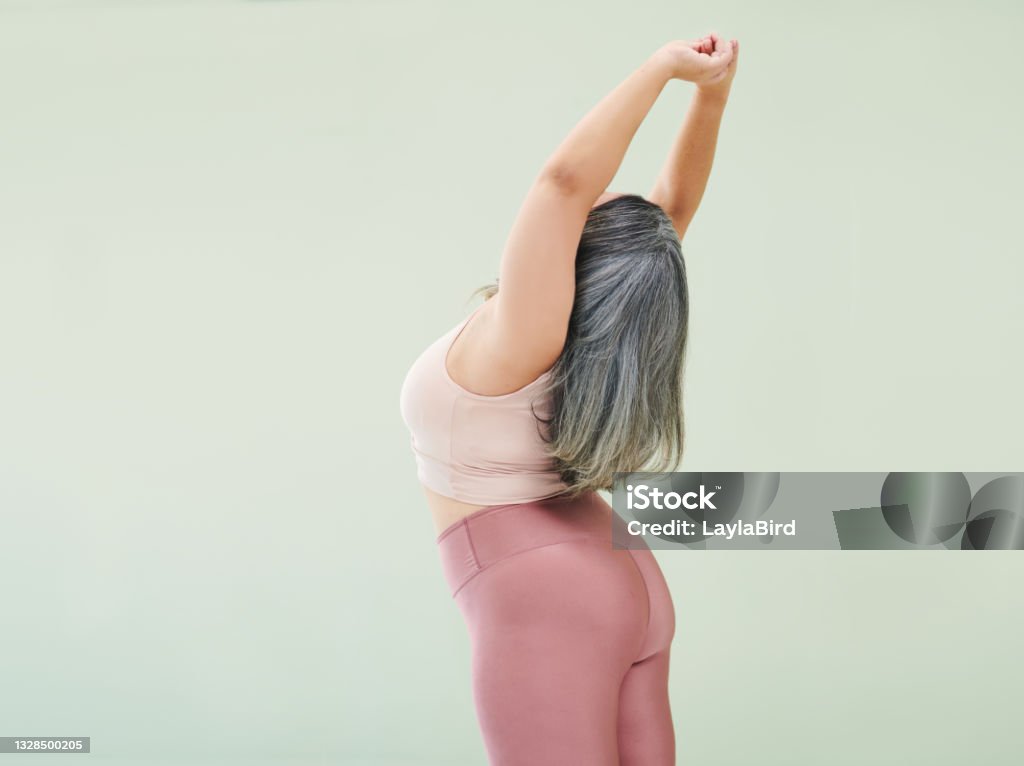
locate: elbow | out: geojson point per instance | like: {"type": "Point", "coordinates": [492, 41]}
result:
{"type": "Point", "coordinates": [562, 178]}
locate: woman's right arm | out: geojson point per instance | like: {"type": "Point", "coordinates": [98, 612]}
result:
{"type": "Point", "coordinates": [527, 330]}
{"type": "Point", "coordinates": [680, 185]}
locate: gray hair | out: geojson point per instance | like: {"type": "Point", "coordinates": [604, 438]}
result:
{"type": "Point", "coordinates": [616, 388]}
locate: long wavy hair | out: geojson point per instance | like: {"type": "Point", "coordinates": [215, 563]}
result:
{"type": "Point", "coordinates": [616, 389]}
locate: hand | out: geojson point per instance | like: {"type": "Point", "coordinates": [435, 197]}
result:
{"type": "Point", "coordinates": [703, 62]}
{"type": "Point", "coordinates": [720, 84]}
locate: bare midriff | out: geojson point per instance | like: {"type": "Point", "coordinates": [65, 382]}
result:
{"type": "Point", "coordinates": [446, 510]}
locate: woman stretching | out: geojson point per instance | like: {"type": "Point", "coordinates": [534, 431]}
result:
{"type": "Point", "coordinates": [569, 371]}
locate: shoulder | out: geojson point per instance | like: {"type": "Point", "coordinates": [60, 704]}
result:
{"type": "Point", "coordinates": [482, 358]}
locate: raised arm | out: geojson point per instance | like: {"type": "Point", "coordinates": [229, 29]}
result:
{"type": "Point", "coordinates": [681, 183]}
{"type": "Point", "coordinates": [526, 329]}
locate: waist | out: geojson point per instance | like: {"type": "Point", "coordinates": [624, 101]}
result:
{"type": "Point", "coordinates": [496, 532]}
{"type": "Point", "coordinates": [447, 511]}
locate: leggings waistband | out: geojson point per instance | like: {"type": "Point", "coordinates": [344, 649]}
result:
{"type": "Point", "coordinates": [491, 534]}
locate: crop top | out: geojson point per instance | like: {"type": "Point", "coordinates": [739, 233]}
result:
{"type": "Point", "coordinates": [484, 450]}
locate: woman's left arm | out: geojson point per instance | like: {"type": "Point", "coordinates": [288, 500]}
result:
{"type": "Point", "coordinates": [681, 183]}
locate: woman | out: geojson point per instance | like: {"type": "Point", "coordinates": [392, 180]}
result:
{"type": "Point", "coordinates": [568, 372]}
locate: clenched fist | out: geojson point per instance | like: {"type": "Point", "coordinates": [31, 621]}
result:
{"type": "Point", "coordinates": [705, 62]}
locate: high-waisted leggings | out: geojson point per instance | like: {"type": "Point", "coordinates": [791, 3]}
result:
{"type": "Point", "coordinates": [570, 637]}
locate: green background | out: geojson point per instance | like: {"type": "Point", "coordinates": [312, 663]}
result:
{"type": "Point", "coordinates": [227, 230]}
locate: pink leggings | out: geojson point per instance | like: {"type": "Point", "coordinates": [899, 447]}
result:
{"type": "Point", "coordinates": [570, 637]}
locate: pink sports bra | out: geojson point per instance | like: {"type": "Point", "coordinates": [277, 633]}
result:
{"type": "Point", "coordinates": [484, 450]}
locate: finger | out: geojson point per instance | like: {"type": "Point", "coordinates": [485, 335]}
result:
{"type": "Point", "coordinates": [722, 54]}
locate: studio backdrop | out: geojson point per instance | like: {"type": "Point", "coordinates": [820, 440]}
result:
{"type": "Point", "coordinates": [227, 228]}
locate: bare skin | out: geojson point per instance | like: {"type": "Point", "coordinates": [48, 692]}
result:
{"type": "Point", "coordinates": [518, 334]}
